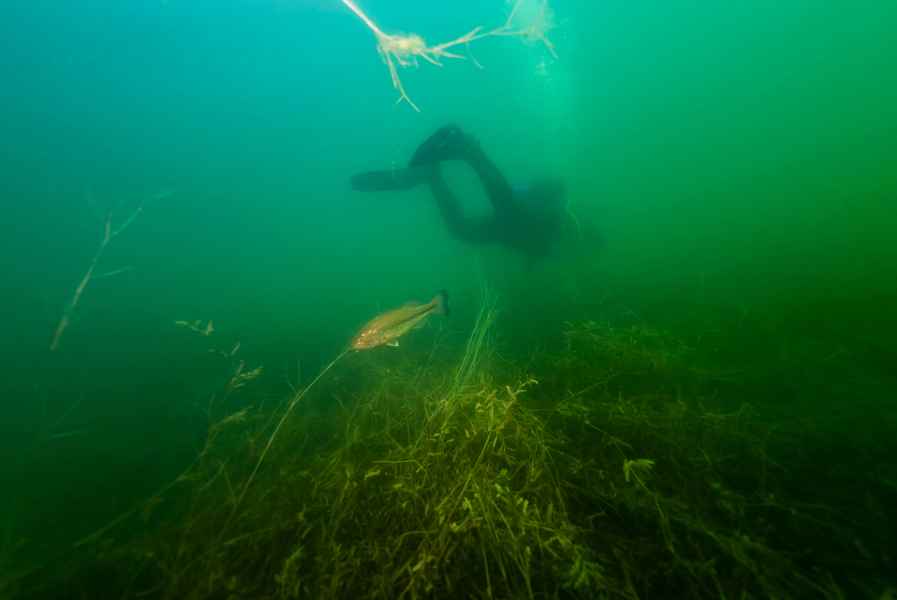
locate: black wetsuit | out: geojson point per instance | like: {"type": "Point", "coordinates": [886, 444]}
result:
{"type": "Point", "coordinates": [530, 227]}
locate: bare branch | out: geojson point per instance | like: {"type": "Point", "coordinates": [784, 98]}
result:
{"type": "Point", "coordinates": [404, 50]}
{"type": "Point", "coordinates": [108, 235]}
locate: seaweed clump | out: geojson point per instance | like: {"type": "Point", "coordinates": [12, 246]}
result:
{"type": "Point", "coordinates": [479, 479]}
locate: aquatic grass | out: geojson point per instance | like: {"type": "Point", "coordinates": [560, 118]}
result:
{"type": "Point", "coordinates": [700, 475]}
{"type": "Point", "coordinates": [469, 477]}
{"type": "Point", "coordinates": [477, 342]}
{"type": "Point", "coordinates": [297, 397]}
{"type": "Point", "coordinates": [433, 500]}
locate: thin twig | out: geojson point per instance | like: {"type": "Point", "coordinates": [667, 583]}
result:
{"type": "Point", "coordinates": [109, 234]}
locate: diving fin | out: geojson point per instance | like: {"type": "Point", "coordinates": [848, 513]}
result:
{"type": "Point", "coordinates": [391, 180]}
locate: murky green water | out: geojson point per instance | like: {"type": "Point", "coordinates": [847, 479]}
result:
{"type": "Point", "coordinates": [692, 396]}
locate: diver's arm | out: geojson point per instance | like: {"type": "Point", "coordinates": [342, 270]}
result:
{"type": "Point", "coordinates": [497, 187]}
{"type": "Point", "coordinates": [451, 143]}
{"type": "Point", "coordinates": [464, 228]}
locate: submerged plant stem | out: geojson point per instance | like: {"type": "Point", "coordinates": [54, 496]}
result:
{"type": "Point", "coordinates": [280, 423]}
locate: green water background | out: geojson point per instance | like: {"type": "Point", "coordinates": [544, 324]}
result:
{"type": "Point", "coordinates": [737, 160]}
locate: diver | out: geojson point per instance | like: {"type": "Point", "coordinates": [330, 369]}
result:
{"type": "Point", "coordinates": [527, 219]}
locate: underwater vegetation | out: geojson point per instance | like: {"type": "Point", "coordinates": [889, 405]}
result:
{"type": "Point", "coordinates": [528, 19]}
{"type": "Point", "coordinates": [602, 468]}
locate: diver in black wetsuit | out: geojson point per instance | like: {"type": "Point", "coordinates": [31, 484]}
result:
{"type": "Point", "coordinates": [529, 220]}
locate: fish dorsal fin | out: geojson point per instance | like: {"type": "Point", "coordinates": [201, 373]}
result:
{"type": "Point", "coordinates": [410, 303]}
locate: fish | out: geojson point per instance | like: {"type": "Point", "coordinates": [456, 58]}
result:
{"type": "Point", "coordinates": [386, 329]}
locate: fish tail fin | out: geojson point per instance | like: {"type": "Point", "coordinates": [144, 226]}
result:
{"type": "Point", "coordinates": [441, 302]}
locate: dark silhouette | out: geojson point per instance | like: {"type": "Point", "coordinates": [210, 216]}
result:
{"type": "Point", "coordinates": [526, 219]}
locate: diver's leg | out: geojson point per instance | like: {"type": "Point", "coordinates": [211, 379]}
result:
{"type": "Point", "coordinates": [393, 179]}
{"type": "Point", "coordinates": [446, 143]}
{"type": "Point", "coordinates": [461, 227]}
{"type": "Point", "coordinates": [450, 143]}
{"type": "Point", "coordinates": [494, 182]}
